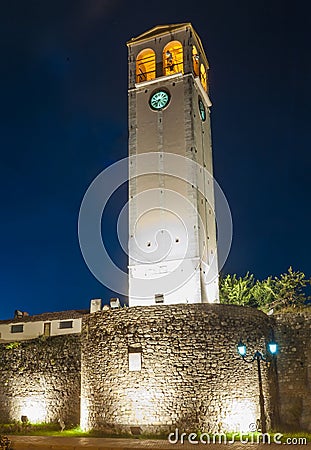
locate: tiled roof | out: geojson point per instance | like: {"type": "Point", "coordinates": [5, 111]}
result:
{"type": "Point", "coordinates": [60, 315]}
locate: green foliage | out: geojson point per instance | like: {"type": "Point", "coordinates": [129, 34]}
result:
{"type": "Point", "coordinates": [12, 345]}
{"type": "Point", "coordinates": [264, 293]}
{"type": "Point", "coordinates": [236, 290]}
{"type": "Point", "coordinates": [290, 289]}
{"type": "Point", "coordinates": [278, 293]}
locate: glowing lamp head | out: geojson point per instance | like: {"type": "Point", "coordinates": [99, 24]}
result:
{"type": "Point", "coordinates": [241, 349]}
{"type": "Point", "coordinates": [273, 348]}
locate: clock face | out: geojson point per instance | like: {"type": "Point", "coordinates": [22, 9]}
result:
{"type": "Point", "coordinates": [159, 100]}
{"type": "Point", "coordinates": [202, 110]}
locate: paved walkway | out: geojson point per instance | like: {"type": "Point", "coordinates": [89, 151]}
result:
{"type": "Point", "coordinates": [64, 443]}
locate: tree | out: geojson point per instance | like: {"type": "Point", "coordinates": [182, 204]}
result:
{"type": "Point", "coordinates": [272, 293]}
{"type": "Point", "coordinates": [236, 290]}
{"type": "Point", "coordinates": [263, 293]}
{"type": "Point", "coordinates": [289, 290]}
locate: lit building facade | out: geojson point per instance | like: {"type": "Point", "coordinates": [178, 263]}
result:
{"type": "Point", "coordinates": [46, 324]}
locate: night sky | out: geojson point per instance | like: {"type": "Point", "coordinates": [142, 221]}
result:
{"type": "Point", "coordinates": [64, 119]}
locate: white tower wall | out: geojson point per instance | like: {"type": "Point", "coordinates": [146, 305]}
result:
{"type": "Point", "coordinates": [171, 224]}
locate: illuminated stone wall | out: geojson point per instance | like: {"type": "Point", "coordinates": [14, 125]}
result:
{"type": "Point", "coordinates": [293, 332]}
{"type": "Point", "coordinates": [191, 377]}
{"type": "Point", "coordinates": [40, 378]}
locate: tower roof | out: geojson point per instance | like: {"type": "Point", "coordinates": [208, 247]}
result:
{"type": "Point", "coordinates": [158, 30]}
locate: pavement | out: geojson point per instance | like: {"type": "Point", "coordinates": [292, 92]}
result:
{"type": "Point", "coordinates": [67, 443]}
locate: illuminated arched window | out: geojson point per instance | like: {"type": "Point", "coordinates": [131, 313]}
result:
{"type": "Point", "coordinates": [145, 65]}
{"type": "Point", "coordinates": [203, 77]}
{"type": "Point", "coordinates": [195, 61]}
{"type": "Point", "coordinates": [173, 58]}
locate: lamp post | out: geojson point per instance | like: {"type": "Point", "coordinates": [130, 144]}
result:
{"type": "Point", "coordinates": [258, 356]}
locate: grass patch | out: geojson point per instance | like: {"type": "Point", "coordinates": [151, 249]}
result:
{"type": "Point", "coordinates": [41, 429]}
{"type": "Point", "coordinates": [298, 434]}
{"type": "Point", "coordinates": [53, 429]}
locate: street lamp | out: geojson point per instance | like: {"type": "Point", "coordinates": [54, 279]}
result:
{"type": "Point", "coordinates": [258, 356]}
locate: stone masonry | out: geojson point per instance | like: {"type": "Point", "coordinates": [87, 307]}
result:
{"type": "Point", "coordinates": [191, 375]}
{"type": "Point", "coordinates": [40, 378]}
{"type": "Point", "coordinates": [293, 332]}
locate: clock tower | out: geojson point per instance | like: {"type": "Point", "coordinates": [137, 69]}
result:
{"type": "Point", "coordinates": [172, 242]}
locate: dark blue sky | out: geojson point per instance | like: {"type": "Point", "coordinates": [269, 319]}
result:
{"type": "Point", "coordinates": [64, 119]}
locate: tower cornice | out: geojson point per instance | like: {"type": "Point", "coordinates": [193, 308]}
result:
{"type": "Point", "coordinates": [158, 30]}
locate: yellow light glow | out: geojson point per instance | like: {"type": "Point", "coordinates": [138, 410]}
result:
{"type": "Point", "coordinates": [142, 403]}
{"type": "Point", "coordinates": [145, 65]}
{"type": "Point", "coordinates": [195, 61]}
{"type": "Point", "coordinates": [173, 58]}
{"type": "Point", "coordinates": [84, 414]}
{"type": "Point", "coordinates": [241, 417]}
{"type": "Point", "coordinates": [203, 77]}
{"type": "Point", "coordinates": [34, 408]}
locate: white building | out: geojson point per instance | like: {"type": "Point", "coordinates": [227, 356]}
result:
{"type": "Point", "coordinates": [46, 324]}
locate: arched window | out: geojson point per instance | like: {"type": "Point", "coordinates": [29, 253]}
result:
{"type": "Point", "coordinates": [173, 58]}
{"type": "Point", "coordinates": [203, 77]}
{"type": "Point", "coordinates": [195, 61]}
{"type": "Point", "coordinates": [145, 65]}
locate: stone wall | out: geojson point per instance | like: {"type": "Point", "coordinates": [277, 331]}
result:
{"type": "Point", "coordinates": [293, 333]}
{"type": "Point", "coordinates": [191, 377]}
{"type": "Point", "coordinates": [40, 378]}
